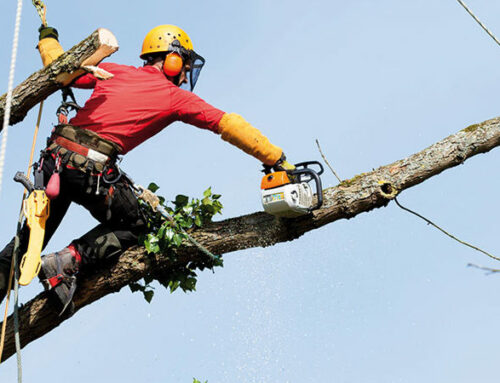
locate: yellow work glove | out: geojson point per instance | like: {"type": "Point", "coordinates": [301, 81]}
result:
{"type": "Point", "coordinates": [49, 46]}
{"type": "Point", "coordinates": [237, 131]}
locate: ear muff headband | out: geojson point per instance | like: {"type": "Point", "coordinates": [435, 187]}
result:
{"type": "Point", "coordinates": [173, 64]}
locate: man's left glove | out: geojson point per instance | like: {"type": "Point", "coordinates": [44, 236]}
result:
{"type": "Point", "coordinates": [49, 46]}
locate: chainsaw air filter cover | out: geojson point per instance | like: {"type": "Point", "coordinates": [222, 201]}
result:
{"type": "Point", "coordinates": [288, 201]}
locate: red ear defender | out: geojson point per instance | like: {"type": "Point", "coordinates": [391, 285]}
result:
{"type": "Point", "coordinates": [172, 65]}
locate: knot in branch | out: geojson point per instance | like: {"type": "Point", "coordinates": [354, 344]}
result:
{"type": "Point", "coordinates": [387, 189]}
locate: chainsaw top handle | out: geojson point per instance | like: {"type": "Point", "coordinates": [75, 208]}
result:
{"type": "Point", "coordinates": [305, 165]}
{"type": "Point", "coordinates": [301, 170]}
{"type": "Point", "coordinates": [301, 165]}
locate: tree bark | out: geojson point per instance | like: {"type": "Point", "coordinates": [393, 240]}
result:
{"type": "Point", "coordinates": [359, 194]}
{"type": "Point", "coordinates": [89, 52]}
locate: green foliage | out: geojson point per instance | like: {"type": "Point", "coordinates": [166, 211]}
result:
{"type": "Point", "coordinates": [164, 236]}
{"type": "Point", "coordinates": [146, 289]}
{"type": "Point", "coordinates": [197, 381]}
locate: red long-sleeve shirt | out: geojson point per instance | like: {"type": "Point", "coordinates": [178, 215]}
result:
{"type": "Point", "coordinates": [137, 103]}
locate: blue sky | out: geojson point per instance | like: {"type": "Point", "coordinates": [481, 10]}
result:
{"type": "Point", "coordinates": [379, 298]}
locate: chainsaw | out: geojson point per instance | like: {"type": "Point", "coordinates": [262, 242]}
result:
{"type": "Point", "coordinates": [289, 193]}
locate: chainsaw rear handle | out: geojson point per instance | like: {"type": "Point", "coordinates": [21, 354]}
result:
{"type": "Point", "coordinates": [21, 178]}
{"type": "Point", "coordinates": [305, 165]}
{"type": "Point", "coordinates": [314, 175]}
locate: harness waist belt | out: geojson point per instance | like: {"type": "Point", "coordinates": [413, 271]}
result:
{"type": "Point", "coordinates": [92, 154]}
{"type": "Point", "coordinates": [87, 139]}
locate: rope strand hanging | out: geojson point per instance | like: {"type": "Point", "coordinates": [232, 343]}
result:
{"type": "Point", "coordinates": [479, 21]}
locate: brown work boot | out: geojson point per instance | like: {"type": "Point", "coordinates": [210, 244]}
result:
{"type": "Point", "coordinates": [58, 274]}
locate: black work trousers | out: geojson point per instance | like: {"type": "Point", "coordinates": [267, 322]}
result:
{"type": "Point", "coordinates": [117, 210]}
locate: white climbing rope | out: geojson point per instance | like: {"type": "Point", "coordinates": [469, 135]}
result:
{"type": "Point", "coordinates": [8, 100]}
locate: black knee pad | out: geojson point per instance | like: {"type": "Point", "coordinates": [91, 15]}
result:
{"type": "Point", "coordinates": [98, 245]}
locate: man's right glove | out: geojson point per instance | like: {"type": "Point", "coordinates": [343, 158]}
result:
{"type": "Point", "coordinates": [283, 165]}
{"type": "Point", "coordinates": [237, 131]}
{"type": "Point", "coordinates": [49, 46]}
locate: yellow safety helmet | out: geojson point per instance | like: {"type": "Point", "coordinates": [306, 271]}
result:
{"type": "Point", "coordinates": [161, 37]}
{"type": "Point", "coordinates": [173, 41]}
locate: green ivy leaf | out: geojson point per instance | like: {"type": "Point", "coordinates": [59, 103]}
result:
{"type": "Point", "coordinates": [208, 192]}
{"type": "Point", "coordinates": [161, 232]}
{"type": "Point", "coordinates": [151, 244]}
{"type": "Point", "coordinates": [197, 221]}
{"type": "Point", "coordinates": [210, 209]}
{"type": "Point", "coordinates": [177, 240]}
{"type": "Point", "coordinates": [189, 284]}
{"type": "Point", "coordinates": [169, 234]}
{"type": "Point", "coordinates": [134, 286]}
{"type": "Point", "coordinates": [148, 295]}
{"type": "Point", "coordinates": [153, 187]}
{"type": "Point", "coordinates": [173, 285]}
{"type": "Point", "coordinates": [181, 200]}
{"type": "Point", "coordinates": [187, 209]}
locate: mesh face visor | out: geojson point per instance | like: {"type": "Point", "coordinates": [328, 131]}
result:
{"type": "Point", "coordinates": [194, 60]}
{"type": "Point", "coordinates": [197, 63]}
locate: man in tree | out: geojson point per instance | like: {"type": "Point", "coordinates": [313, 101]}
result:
{"type": "Point", "coordinates": [122, 113]}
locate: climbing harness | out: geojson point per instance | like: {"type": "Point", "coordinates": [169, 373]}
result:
{"type": "Point", "coordinates": [82, 149]}
{"type": "Point", "coordinates": [36, 207]}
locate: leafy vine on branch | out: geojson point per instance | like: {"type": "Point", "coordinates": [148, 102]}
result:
{"type": "Point", "coordinates": [164, 237]}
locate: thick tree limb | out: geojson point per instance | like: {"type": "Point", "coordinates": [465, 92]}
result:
{"type": "Point", "coordinates": [360, 194]}
{"type": "Point", "coordinates": [90, 52]}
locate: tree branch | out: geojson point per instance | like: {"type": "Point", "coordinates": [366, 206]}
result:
{"type": "Point", "coordinates": [359, 194]}
{"type": "Point", "coordinates": [40, 85]}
